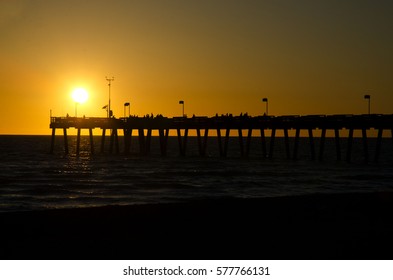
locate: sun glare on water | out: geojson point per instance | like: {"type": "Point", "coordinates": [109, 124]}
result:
{"type": "Point", "coordinates": [80, 95]}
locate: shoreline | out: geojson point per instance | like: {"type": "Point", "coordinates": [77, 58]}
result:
{"type": "Point", "coordinates": [328, 226]}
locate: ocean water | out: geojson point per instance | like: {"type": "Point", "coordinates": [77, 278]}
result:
{"type": "Point", "coordinates": [33, 179]}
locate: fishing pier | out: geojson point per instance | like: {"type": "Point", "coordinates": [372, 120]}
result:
{"type": "Point", "coordinates": [223, 125]}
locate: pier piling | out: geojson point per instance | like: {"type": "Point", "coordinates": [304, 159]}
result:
{"type": "Point", "coordinates": [365, 146]}
{"type": "Point", "coordinates": [378, 144]}
{"type": "Point", "coordinates": [272, 138]}
{"type": "Point", "coordinates": [337, 140]}
{"type": "Point", "coordinates": [240, 135]}
{"type": "Point", "coordinates": [182, 141]}
{"type": "Point", "coordinates": [349, 146]}
{"type": "Point", "coordinates": [78, 141]}
{"type": "Point", "coordinates": [286, 139]}
{"type": "Point", "coordinates": [103, 140]}
{"type": "Point", "coordinates": [263, 142]}
{"type": "Point", "coordinates": [202, 142]}
{"type": "Point", "coordinates": [52, 143]}
{"type": "Point", "coordinates": [91, 141]}
{"type": "Point", "coordinates": [114, 140]}
{"type": "Point", "coordinates": [163, 134]}
{"type": "Point", "coordinates": [248, 143]}
{"type": "Point", "coordinates": [391, 131]}
{"type": "Point", "coordinates": [141, 140]}
{"type": "Point", "coordinates": [148, 142]}
{"type": "Point", "coordinates": [127, 140]}
{"type": "Point", "coordinates": [296, 144]}
{"type": "Point", "coordinates": [322, 143]}
{"type": "Point", "coordinates": [311, 139]}
{"type": "Point", "coordinates": [65, 141]}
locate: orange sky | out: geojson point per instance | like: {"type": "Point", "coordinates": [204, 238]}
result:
{"type": "Point", "coordinates": [307, 57]}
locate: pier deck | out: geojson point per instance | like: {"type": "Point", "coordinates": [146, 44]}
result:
{"type": "Point", "coordinates": [226, 123]}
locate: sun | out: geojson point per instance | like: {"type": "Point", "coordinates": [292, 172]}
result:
{"type": "Point", "coordinates": [80, 95]}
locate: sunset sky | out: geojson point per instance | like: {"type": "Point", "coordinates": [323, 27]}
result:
{"type": "Point", "coordinates": [306, 57]}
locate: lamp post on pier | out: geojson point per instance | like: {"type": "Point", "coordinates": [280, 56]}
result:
{"type": "Point", "coordinates": [182, 103]}
{"type": "Point", "coordinates": [367, 96]}
{"type": "Point", "coordinates": [110, 80]}
{"type": "Point", "coordinates": [267, 105]}
{"type": "Point", "coordinates": [127, 104]}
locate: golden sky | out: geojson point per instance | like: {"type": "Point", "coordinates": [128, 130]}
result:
{"type": "Point", "coordinates": [307, 57]}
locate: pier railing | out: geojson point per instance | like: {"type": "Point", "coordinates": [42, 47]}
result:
{"type": "Point", "coordinates": [202, 125]}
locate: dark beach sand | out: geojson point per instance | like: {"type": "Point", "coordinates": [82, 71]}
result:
{"type": "Point", "coordinates": [339, 226]}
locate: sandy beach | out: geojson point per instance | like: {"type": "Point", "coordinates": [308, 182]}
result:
{"type": "Point", "coordinates": [337, 226]}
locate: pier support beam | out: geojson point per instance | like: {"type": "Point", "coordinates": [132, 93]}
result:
{"type": "Point", "coordinates": [52, 143]}
{"type": "Point", "coordinates": [223, 149]}
{"type": "Point", "coordinates": [272, 138]}
{"type": "Point", "coordinates": [349, 147]}
{"type": "Point", "coordinates": [311, 139]}
{"type": "Point", "coordinates": [78, 141]}
{"type": "Point", "coordinates": [91, 141]}
{"type": "Point", "coordinates": [163, 133]}
{"type": "Point", "coordinates": [202, 142]}
{"type": "Point", "coordinates": [365, 146]}
{"type": "Point", "coordinates": [322, 143]}
{"type": "Point", "coordinates": [219, 142]}
{"type": "Point", "coordinates": [240, 135]}
{"type": "Point", "coordinates": [286, 139]}
{"type": "Point", "coordinates": [127, 140]}
{"type": "Point", "coordinates": [378, 145]}
{"type": "Point", "coordinates": [337, 140]}
{"type": "Point", "coordinates": [311, 143]}
{"type": "Point", "coordinates": [227, 131]}
{"type": "Point", "coordinates": [141, 140]}
{"type": "Point", "coordinates": [263, 143]}
{"type": "Point", "coordinates": [65, 141]}
{"type": "Point", "coordinates": [148, 142]}
{"type": "Point", "coordinates": [248, 143]}
{"type": "Point", "coordinates": [392, 134]}
{"type": "Point", "coordinates": [296, 144]}
{"type": "Point", "coordinates": [117, 142]}
{"type": "Point", "coordinates": [103, 140]}
{"type": "Point", "coordinates": [182, 142]}
{"type": "Point", "coordinates": [114, 140]}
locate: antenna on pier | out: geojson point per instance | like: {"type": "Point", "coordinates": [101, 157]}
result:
{"type": "Point", "coordinates": [110, 80]}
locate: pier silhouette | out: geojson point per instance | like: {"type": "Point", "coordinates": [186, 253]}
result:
{"type": "Point", "coordinates": [223, 125]}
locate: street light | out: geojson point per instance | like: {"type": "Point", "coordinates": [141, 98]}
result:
{"type": "Point", "coordinates": [110, 80]}
{"type": "Point", "coordinates": [367, 96]}
{"type": "Point", "coordinates": [127, 104]}
{"type": "Point", "coordinates": [267, 105]}
{"type": "Point", "coordinates": [182, 103]}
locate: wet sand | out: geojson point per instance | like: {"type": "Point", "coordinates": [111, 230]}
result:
{"type": "Point", "coordinates": [337, 226]}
